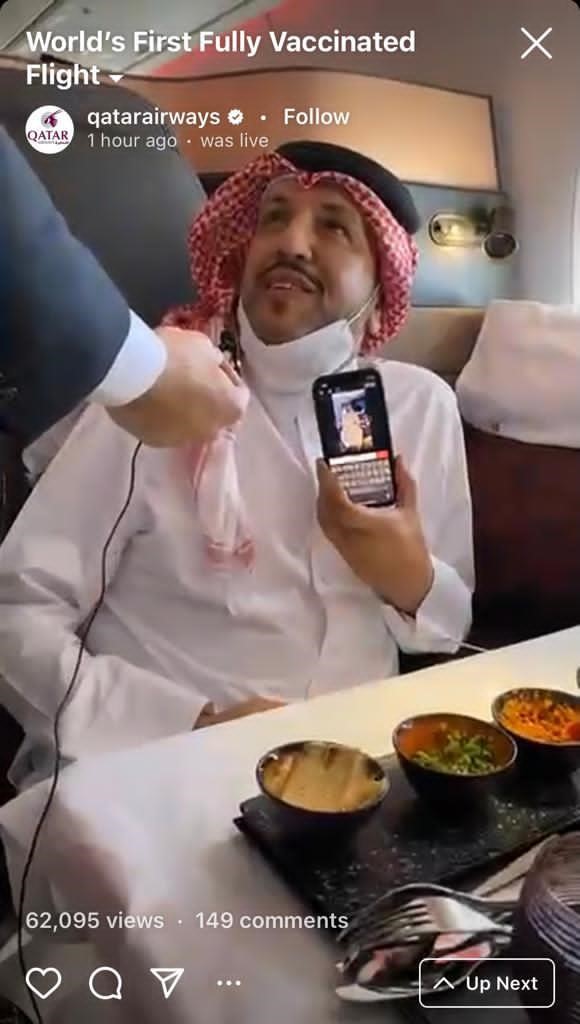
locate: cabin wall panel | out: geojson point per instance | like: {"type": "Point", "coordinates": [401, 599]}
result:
{"type": "Point", "coordinates": [535, 101]}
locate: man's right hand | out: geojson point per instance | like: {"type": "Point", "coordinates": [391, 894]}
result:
{"type": "Point", "coordinates": [247, 707]}
{"type": "Point", "coordinates": [196, 395]}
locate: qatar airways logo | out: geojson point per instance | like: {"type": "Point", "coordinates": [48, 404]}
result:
{"type": "Point", "coordinates": [49, 129]}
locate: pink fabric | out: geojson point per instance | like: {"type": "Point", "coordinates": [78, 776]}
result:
{"type": "Point", "coordinates": [218, 243]}
{"type": "Point", "coordinates": [212, 473]}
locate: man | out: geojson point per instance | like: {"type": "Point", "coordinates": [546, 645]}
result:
{"type": "Point", "coordinates": [351, 434]}
{"type": "Point", "coordinates": [241, 576]}
{"type": "Point", "coordinates": [67, 334]}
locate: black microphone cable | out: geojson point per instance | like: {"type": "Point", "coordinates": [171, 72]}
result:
{"type": "Point", "coordinates": [83, 636]}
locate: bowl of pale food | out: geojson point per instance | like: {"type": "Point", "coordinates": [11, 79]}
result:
{"type": "Point", "coordinates": [319, 789]}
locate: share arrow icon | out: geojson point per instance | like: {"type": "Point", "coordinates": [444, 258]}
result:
{"type": "Point", "coordinates": [169, 977]}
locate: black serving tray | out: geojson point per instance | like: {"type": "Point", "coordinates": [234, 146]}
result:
{"type": "Point", "coordinates": [406, 841]}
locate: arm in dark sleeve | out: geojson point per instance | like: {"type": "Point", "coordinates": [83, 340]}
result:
{"type": "Point", "coordinates": [62, 320]}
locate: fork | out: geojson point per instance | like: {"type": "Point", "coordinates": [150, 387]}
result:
{"type": "Point", "coordinates": [403, 907]}
{"type": "Point", "coordinates": [416, 925]}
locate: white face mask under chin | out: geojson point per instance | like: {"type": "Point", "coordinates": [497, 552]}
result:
{"type": "Point", "coordinates": [294, 366]}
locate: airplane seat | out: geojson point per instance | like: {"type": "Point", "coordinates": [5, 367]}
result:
{"type": "Point", "coordinates": [525, 499]}
{"type": "Point", "coordinates": [131, 206]}
{"type": "Point", "coordinates": [527, 539]}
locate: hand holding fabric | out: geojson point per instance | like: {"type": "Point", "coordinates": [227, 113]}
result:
{"type": "Point", "coordinates": [194, 398]}
{"type": "Point", "coordinates": [385, 547]}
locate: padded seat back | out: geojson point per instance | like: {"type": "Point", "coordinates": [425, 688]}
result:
{"type": "Point", "coordinates": [526, 505]}
{"type": "Point", "coordinates": [131, 205]}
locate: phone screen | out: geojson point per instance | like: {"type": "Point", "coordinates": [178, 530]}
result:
{"type": "Point", "coordinates": [356, 439]}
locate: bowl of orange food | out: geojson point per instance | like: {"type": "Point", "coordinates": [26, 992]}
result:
{"type": "Point", "coordinates": [545, 725]}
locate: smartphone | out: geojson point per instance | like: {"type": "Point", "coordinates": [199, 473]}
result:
{"type": "Point", "coordinates": [356, 439]}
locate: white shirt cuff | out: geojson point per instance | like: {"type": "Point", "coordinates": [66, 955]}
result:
{"type": "Point", "coordinates": [442, 620]}
{"type": "Point", "coordinates": [139, 364]}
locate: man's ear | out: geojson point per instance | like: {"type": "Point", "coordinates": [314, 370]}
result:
{"type": "Point", "coordinates": [371, 328]}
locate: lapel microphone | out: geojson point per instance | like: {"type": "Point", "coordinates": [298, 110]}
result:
{"type": "Point", "coordinates": [228, 345]}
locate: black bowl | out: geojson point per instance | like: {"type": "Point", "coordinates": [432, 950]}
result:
{"type": "Point", "coordinates": [446, 789]}
{"type": "Point", "coordinates": [319, 789]}
{"type": "Point", "coordinates": [547, 757]}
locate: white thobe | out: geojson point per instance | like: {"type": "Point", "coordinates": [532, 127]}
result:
{"type": "Point", "coordinates": [173, 633]}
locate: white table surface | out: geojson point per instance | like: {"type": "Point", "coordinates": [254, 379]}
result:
{"type": "Point", "coordinates": [149, 831]}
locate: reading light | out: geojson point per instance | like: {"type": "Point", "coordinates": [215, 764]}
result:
{"type": "Point", "coordinates": [456, 230]}
{"type": "Point", "coordinates": [493, 231]}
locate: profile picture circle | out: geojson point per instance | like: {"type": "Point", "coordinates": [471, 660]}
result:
{"type": "Point", "coordinates": [49, 129]}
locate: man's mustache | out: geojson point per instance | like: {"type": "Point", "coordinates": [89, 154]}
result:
{"type": "Point", "coordinates": [296, 268]}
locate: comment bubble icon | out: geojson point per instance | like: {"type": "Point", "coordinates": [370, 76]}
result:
{"type": "Point", "coordinates": [106, 983]}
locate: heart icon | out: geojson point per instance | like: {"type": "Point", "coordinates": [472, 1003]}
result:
{"type": "Point", "coordinates": [49, 980]}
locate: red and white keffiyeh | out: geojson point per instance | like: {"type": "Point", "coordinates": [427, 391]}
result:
{"type": "Point", "coordinates": [221, 233]}
{"type": "Point", "coordinates": [218, 243]}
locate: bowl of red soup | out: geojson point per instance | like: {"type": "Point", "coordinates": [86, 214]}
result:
{"type": "Point", "coordinates": [544, 723]}
{"type": "Point", "coordinates": [453, 760]}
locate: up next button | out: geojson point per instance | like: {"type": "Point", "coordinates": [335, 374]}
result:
{"type": "Point", "coordinates": [494, 985]}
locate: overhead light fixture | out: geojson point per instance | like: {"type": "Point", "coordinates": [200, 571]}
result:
{"type": "Point", "coordinates": [494, 231]}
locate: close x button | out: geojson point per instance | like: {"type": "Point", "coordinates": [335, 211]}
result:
{"type": "Point", "coordinates": [497, 984]}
